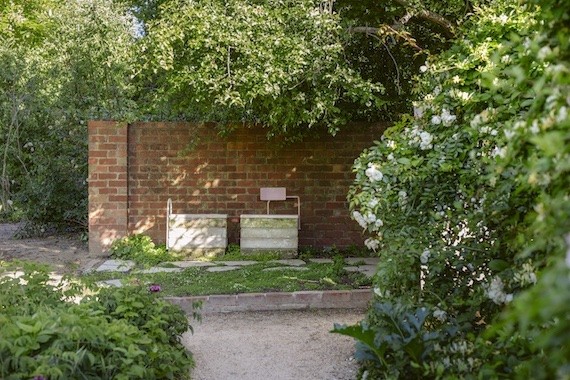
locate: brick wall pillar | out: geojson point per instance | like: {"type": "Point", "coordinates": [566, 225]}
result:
{"type": "Point", "coordinates": [108, 189]}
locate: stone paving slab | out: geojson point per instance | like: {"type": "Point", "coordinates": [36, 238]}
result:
{"type": "Point", "coordinates": [284, 268]}
{"type": "Point", "coordinates": [237, 263]}
{"type": "Point", "coordinates": [321, 261]}
{"type": "Point", "coordinates": [116, 266]}
{"type": "Point", "coordinates": [222, 269]}
{"type": "Point", "coordinates": [191, 264]}
{"type": "Point", "coordinates": [159, 270]}
{"type": "Point", "coordinates": [368, 270]}
{"type": "Point", "coordinates": [366, 260]}
{"type": "Point", "coordinates": [291, 262]}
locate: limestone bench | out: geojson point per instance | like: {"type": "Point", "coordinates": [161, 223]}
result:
{"type": "Point", "coordinates": [196, 235]}
{"type": "Point", "coordinates": [271, 232]}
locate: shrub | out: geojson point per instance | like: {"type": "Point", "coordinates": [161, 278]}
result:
{"type": "Point", "coordinates": [140, 249]}
{"type": "Point", "coordinates": [126, 333]}
{"type": "Point", "coordinates": [467, 200]}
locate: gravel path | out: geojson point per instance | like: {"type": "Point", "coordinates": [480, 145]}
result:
{"type": "Point", "coordinates": [284, 345]}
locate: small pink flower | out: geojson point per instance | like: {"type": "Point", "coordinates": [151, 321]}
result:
{"type": "Point", "coordinates": [154, 288]}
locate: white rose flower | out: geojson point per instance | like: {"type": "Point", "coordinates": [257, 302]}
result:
{"type": "Point", "coordinates": [496, 293]}
{"type": "Point", "coordinates": [436, 120]}
{"type": "Point", "coordinates": [447, 118]}
{"type": "Point", "coordinates": [359, 219]}
{"type": "Point", "coordinates": [373, 173]}
{"type": "Point", "coordinates": [370, 218]}
{"type": "Point", "coordinates": [372, 244]}
{"type": "Point", "coordinates": [425, 256]}
{"type": "Point", "coordinates": [418, 112]}
{"type": "Point", "coordinates": [425, 140]}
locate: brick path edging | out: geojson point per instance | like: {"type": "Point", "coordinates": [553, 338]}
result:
{"type": "Point", "coordinates": [333, 299]}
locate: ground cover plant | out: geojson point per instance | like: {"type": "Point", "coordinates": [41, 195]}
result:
{"type": "Point", "coordinates": [467, 204]}
{"type": "Point", "coordinates": [140, 249]}
{"type": "Point", "coordinates": [62, 330]}
{"type": "Point", "coordinates": [261, 277]}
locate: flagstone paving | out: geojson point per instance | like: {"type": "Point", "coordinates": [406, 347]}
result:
{"type": "Point", "coordinates": [366, 265]}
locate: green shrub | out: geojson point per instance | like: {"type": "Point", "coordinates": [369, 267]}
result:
{"type": "Point", "coordinates": [467, 200]}
{"type": "Point", "coordinates": [140, 249]}
{"type": "Point", "coordinates": [126, 333]}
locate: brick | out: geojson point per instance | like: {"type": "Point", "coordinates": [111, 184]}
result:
{"type": "Point", "coordinates": [224, 175]}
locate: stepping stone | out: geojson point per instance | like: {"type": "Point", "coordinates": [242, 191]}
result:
{"type": "Point", "coordinates": [91, 266]}
{"type": "Point", "coordinates": [291, 262]}
{"type": "Point", "coordinates": [322, 261]}
{"type": "Point", "coordinates": [366, 260]}
{"type": "Point", "coordinates": [285, 268]}
{"type": "Point", "coordinates": [191, 264]}
{"type": "Point", "coordinates": [159, 270]}
{"type": "Point", "coordinates": [368, 270]}
{"type": "Point", "coordinates": [116, 283]}
{"type": "Point", "coordinates": [237, 263]}
{"type": "Point", "coordinates": [116, 266]}
{"type": "Point", "coordinates": [222, 269]}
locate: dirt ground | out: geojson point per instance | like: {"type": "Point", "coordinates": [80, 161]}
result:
{"type": "Point", "coordinates": [65, 253]}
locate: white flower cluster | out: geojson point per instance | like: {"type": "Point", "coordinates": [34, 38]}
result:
{"type": "Point", "coordinates": [373, 202]}
{"type": "Point", "coordinates": [446, 118]}
{"type": "Point", "coordinates": [499, 152]}
{"type": "Point", "coordinates": [495, 291]}
{"type": "Point", "coordinates": [489, 131]}
{"type": "Point", "coordinates": [367, 220]}
{"type": "Point", "coordinates": [372, 244]}
{"type": "Point", "coordinates": [424, 257]}
{"type": "Point", "coordinates": [373, 173]}
{"type": "Point", "coordinates": [481, 118]}
{"type": "Point", "coordinates": [460, 95]}
{"type": "Point", "coordinates": [359, 219]}
{"type": "Point", "coordinates": [422, 138]}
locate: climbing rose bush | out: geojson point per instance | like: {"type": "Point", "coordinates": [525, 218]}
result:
{"type": "Point", "coordinates": [467, 200]}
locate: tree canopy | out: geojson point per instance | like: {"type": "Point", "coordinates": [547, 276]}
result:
{"type": "Point", "coordinates": [290, 66]}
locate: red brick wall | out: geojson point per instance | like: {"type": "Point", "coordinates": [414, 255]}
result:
{"type": "Point", "coordinates": [205, 173]}
{"type": "Point", "coordinates": [107, 184]}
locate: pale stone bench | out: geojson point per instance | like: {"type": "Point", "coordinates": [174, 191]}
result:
{"type": "Point", "coordinates": [276, 233]}
{"type": "Point", "coordinates": [196, 235]}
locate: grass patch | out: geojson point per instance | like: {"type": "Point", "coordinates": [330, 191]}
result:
{"type": "Point", "coordinates": [247, 279]}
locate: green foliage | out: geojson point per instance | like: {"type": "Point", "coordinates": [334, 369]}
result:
{"type": "Point", "coordinates": [278, 64]}
{"type": "Point", "coordinates": [45, 334]}
{"type": "Point", "coordinates": [396, 340]}
{"type": "Point", "coordinates": [467, 200]}
{"type": "Point", "coordinates": [259, 277]}
{"type": "Point", "coordinates": [77, 67]}
{"type": "Point", "coordinates": [141, 249]}
{"type": "Point", "coordinates": [291, 66]}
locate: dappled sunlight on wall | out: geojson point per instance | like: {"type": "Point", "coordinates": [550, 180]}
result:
{"type": "Point", "coordinates": [204, 173]}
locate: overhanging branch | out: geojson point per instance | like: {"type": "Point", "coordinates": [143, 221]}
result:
{"type": "Point", "coordinates": [448, 27]}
